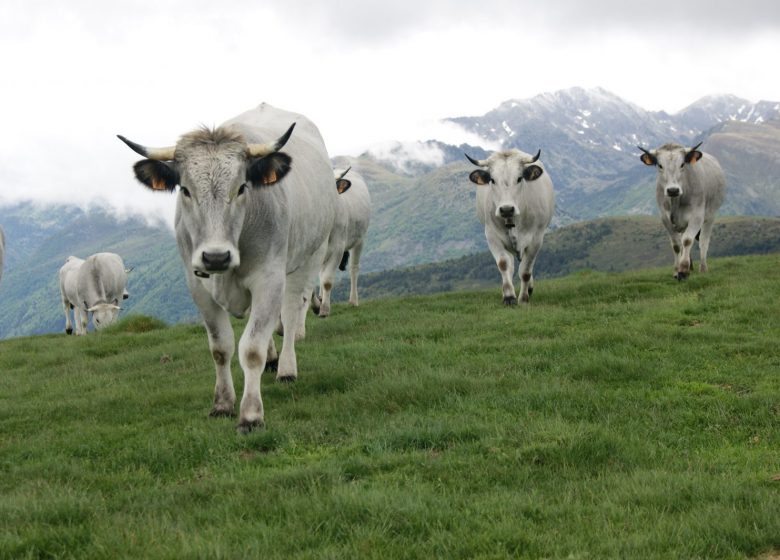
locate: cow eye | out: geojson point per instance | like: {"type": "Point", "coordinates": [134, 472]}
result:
{"type": "Point", "coordinates": [660, 166]}
{"type": "Point", "coordinates": [241, 189]}
{"type": "Point", "coordinates": [682, 165]}
{"type": "Point", "coordinates": [520, 178]}
{"type": "Point", "coordinates": [184, 191]}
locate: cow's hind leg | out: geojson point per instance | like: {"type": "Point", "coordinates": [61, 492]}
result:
{"type": "Point", "coordinates": [327, 276]}
{"type": "Point", "coordinates": [354, 268]}
{"type": "Point", "coordinates": [704, 244]}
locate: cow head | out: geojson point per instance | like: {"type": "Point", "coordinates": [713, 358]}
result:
{"type": "Point", "coordinates": [671, 160]}
{"type": "Point", "coordinates": [342, 184]}
{"type": "Point", "coordinates": [103, 314]}
{"type": "Point", "coordinates": [505, 173]}
{"type": "Point", "coordinates": [214, 169]}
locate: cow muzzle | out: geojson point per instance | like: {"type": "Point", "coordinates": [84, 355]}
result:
{"type": "Point", "coordinates": [507, 212]}
{"type": "Point", "coordinates": [673, 192]}
{"type": "Point", "coordinates": [214, 260]}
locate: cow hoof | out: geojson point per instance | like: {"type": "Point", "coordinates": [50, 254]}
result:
{"type": "Point", "coordinates": [681, 276]}
{"type": "Point", "coordinates": [322, 314]}
{"type": "Point", "coordinates": [247, 426]}
{"type": "Point", "coordinates": [272, 365]}
{"type": "Point", "coordinates": [222, 411]}
{"type": "Point", "coordinates": [510, 300]}
{"type": "Point", "coordinates": [525, 298]}
{"type": "Point", "coordinates": [289, 378]}
{"type": "Point", "coordinates": [530, 291]}
{"type": "Point", "coordinates": [68, 331]}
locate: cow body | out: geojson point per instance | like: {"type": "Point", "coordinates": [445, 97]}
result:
{"type": "Point", "coordinates": [690, 189]}
{"type": "Point", "coordinates": [252, 225]}
{"type": "Point", "coordinates": [515, 203]}
{"type": "Point", "coordinates": [92, 286]}
{"type": "Point", "coordinates": [353, 214]}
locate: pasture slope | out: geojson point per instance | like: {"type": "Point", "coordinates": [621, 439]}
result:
{"type": "Point", "coordinates": [619, 416]}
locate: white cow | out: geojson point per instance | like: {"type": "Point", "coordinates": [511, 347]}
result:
{"type": "Point", "coordinates": [252, 224]}
{"type": "Point", "coordinates": [515, 203]}
{"type": "Point", "coordinates": [95, 285]}
{"type": "Point", "coordinates": [346, 241]}
{"type": "Point", "coordinates": [689, 190]}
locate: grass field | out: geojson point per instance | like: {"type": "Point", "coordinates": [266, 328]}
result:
{"type": "Point", "coordinates": [619, 416]}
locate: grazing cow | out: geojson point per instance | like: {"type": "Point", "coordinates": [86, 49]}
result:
{"type": "Point", "coordinates": [689, 190]}
{"type": "Point", "coordinates": [95, 286]}
{"type": "Point", "coordinates": [353, 214]}
{"type": "Point", "coordinates": [252, 224]}
{"type": "Point", "coordinates": [515, 203]}
{"type": "Point", "coordinates": [2, 251]}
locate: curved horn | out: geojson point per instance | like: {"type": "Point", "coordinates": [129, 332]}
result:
{"type": "Point", "coordinates": [261, 150]}
{"type": "Point", "coordinates": [696, 146]}
{"type": "Point", "coordinates": [345, 172]}
{"type": "Point", "coordinates": [482, 163]}
{"type": "Point", "coordinates": [645, 151]}
{"type": "Point", "coordinates": [160, 154]}
{"type": "Point", "coordinates": [536, 157]}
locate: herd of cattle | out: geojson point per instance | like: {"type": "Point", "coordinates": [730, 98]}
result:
{"type": "Point", "coordinates": [258, 220]}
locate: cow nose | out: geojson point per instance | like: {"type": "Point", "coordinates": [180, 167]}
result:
{"type": "Point", "coordinates": [673, 191]}
{"type": "Point", "coordinates": [506, 211]}
{"type": "Point", "coordinates": [216, 261]}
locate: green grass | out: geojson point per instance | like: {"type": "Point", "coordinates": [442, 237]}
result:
{"type": "Point", "coordinates": [619, 416]}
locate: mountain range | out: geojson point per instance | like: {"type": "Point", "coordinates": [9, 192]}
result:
{"type": "Point", "coordinates": [423, 203]}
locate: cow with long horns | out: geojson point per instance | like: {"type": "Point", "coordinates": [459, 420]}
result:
{"type": "Point", "coordinates": [689, 190]}
{"type": "Point", "coordinates": [515, 203]}
{"type": "Point", "coordinates": [252, 224]}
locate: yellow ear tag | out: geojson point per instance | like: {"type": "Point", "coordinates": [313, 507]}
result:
{"type": "Point", "coordinates": [270, 179]}
{"type": "Point", "coordinates": [159, 185]}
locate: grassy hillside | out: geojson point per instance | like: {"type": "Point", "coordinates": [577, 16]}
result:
{"type": "Point", "coordinates": [618, 416]}
{"type": "Point", "coordinates": [607, 244]}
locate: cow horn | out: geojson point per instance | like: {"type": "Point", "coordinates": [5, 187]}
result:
{"type": "Point", "coordinates": [160, 154]}
{"type": "Point", "coordinates": [536, 157]}
{"type": "Point", "coordinates": [345, 172]}
{"type": "Point", "coordinates": [482, 163]}
{"type": "Point", "coordinates": [696, 146]}
{"type": "Point", "coordinates": [645, 151]}
{"type": "Point", "coordinates": [261, 150]}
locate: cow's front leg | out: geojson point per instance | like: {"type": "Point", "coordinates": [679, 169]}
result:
{"type": "Point", "coordinates": [676, 242]}
{"type": "Point", "coordinates": [81, 317]}
{"type": "Point", "coordinates": [253, 351]}
{"type": "Point", "coordinates": [685, 260]}
{"type": "Point", "coordinates": [68, 324]}
{"type": "Point", "coordinates": [505, 261]}
{"type": "Point", "coordinates": [222, 345]}
{"type": "Point", "coordinates": [527, 270]}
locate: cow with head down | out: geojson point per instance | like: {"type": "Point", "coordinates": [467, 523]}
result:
{"type": "Point", "coordinates": [515, 203]}
{"type": "Point", "coordinates": [689, 190]}
{"type": "Point", "coordinates": [92, 286]}
{"type": "Point", "coordinates": [252, 224]}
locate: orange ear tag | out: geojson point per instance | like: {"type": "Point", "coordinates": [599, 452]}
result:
{"type": "Point", "coordinates": [270, 179]}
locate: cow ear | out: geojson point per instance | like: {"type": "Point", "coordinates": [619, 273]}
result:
{"type": "Point", "coordinates": [532, 172]}
{"type": "Point", "coordinates": [693, 156]}
{"type": "Point", "coordinates": [269, 170]}
{"type": "Point", "coordinates": [648, 159]}
{"type": "Point", "coordinates": [156, 175]}
{"type": "Point", "coordinates": [342, 185]}
{"type": "Point", "coordinates": [480, 177]}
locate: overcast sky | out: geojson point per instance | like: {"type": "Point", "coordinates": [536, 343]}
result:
{"type": "Point", "coordinates": [74, 73]}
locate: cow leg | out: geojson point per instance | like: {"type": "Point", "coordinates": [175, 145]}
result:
{"type": "Point", "coordinates": [676, 241]}
{"type": "Point", "coordinates": [506, 266]}
{"type": "Point", "coordinates": [527, 269]}
{"type": "Point", "coordinates": [704, 244]}
{"type": "Point", "coordinates": [82, 319]}
{"type": "Point", "coordinates": [68, 324]}
{"type": "Point", "coordinates": [253, 351]}
{"type": "Point", "coordinates": [684, 263]}
{"type": "Point", "coordinates": [326, 284]}
{"type": "Point", "coordinates": [354, 268]}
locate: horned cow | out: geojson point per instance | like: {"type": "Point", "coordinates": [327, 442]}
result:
{"type": "Point", "coordinates": [353, 213]}
{"type": "Point", "coordinates": [252, 224]}
{"type": "Point", "coordinates": [689, 190]}
{"type": "Point", "coordinates": [515, 203]}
